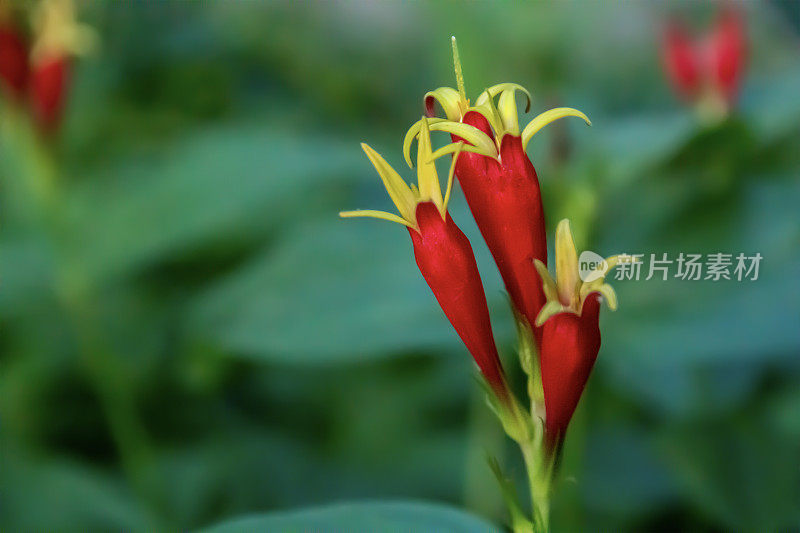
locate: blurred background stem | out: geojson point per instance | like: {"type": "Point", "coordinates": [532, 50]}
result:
{"type": "Point", "coordinates": [74, 292]}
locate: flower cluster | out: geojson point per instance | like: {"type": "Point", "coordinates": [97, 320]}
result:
{"type": "Point", "coordinates": [557, 318]}
{"type": "Point", "coordinates": [707, 71]}
{"type": "Point", "coordinates": [35, 70]}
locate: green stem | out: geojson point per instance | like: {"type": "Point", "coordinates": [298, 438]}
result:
{"type": "Point", "coordinates": [42, 192]}
{"type": "Point", "coordinates": [107, 377]}
{"type": "Point", "coordinates": [539, 480]}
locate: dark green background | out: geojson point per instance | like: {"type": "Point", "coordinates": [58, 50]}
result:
{"type": "Point", "coordinates": [189, 332]}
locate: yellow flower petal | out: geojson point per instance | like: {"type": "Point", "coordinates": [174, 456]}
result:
{"type": "Point", "coordinates": [546, 118]}
{"type": "Point", "coordinates": [449, 99]}
{"type": "Point", "coordinates": [507, 106]}
{"type": "Point", "coordinates": [489, 112]}
{"type": "Point", "coordinates": [604, 289]}
{"type": "Point", "coordinates": [398, 190]}
{"type": "Point", "coordinates": [484, 144]}
{"type": "Point", "coordinates": [427, 177]}
{"type": "Point", "coordinates": [412, 132]}
{"type": "Point", "coordinates": [549, 309]}
{"type": "Point", "coordinates": [494, 90]}
{"type": "Point", "coordinates": [549, 286]}
{"type": "Point", "coordinates": [456, 147]}
{"type": "Point", "coordinates": [57, 32]}
{"type": "Point", "coordinates": [383, 215]}
{"type": "Point", "coordinates": [567, 276]}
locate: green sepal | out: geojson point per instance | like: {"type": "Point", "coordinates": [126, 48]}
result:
{"type": "Point", "coordinates": [529, 361]}
{"type": "Point", "coordinates": [514, 418]}
{"type": "Point", "coordinates": [519, 522]}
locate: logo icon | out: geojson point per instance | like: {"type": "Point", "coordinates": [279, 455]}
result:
{"type": "Point", "coordinates": [591, 266]}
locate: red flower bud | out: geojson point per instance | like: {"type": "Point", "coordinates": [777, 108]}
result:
{"type": "Point", "coordinates": [728, 48]}
{"type": "Point", "coordinates": [49, 82]}
{"type": "Point", "coordinates": [707, 71]}
{"type": "Point", "coordinates": [58, 38]}
{"type": "Point", "coordinates": [570, 344]}
{"type": "Point", "coordinates": [570, 331]}
{"type": "Point", "coordinates": [13, 60]}
{"type": "Point", "coordinates": [500, 183]}
{"type": "Point", "coordinates": [443, 253]}
{"type": "Point", "coordinates": [445, 259]}
{"type": "Point", "coordinates": [681, 61]}
{"type": "Point", "coordinates": [504, 198]}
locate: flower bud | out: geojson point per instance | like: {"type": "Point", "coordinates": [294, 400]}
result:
{"type": "Point", "coordinates": [445, 259]}
{"type": "Point", "coordinates": [443, 254]}
{"type": "Point", "coordinates": [58, 37]}
{"type": "Point", "coordinates": [13, 56]}
{"type": "Point", "coordinates": [570, 331]}
{"type": "Point", "coordinates": [706, 72]}
{"type": "Point", "coordinates": [49, 82]}
{"type": "Point", "coordinates": [499, 182]}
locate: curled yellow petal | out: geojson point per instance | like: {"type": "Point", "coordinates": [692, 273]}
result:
{"type": "Point", "coordinates": [471, 134]}
{"type": "Point", "coordinates": [604, 289]}
{"type": "Point", "coordinates": [546, 118]}
{"type": "Point", "coordinates": [371, 213]}
{"type": "Point", "coordinates": [449, 99]}
{"type": "Point", "coordinates": [494, 90]}
{"type": "Point", "coordinates": [549, 309]}
{"type": "Point", "coordinates": [489, 112]}
{"type": "Point", "coordinates": [398, 190]}
{"type": "Point", "coordinates": [507, 107]}
{"type": "Point", "coordinates": [412, 132]}
{"type": "Point", "coordinates": [611, 262]}
{"type": "Point", "coordinates": [456, 147]}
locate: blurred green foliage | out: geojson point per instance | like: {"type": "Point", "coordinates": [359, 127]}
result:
{"type": "Point", "coordinates": [190, 333]}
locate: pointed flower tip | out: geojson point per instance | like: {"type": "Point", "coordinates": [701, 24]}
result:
{"type": "Point", "coordinates": [569, 291]}
{"type": "Point", "coordinates": [543, 119]}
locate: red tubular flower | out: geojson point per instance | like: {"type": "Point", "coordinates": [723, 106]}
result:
{"type": "Point", "coordinates": [570, 330]}
{"type": "Point", "coordinates": [570, 344]}
{"type": "Point", "coordinates": [707, 72]}
{"type": "Point", "coordinates": [499, 181]}
{"type": "Point", "coordinates": [13, 57]}
{"type": "Point", "coordinates": [681, 61]}
{"type": "Point", "coordinates": [445, 259]}
{"type": "Point", "coordinates": [728, 49]}
{"type": "Point", "coordinates": [504, 198]}
{"type": "Point", "coordinates": [443, 254]}
{"type": "Point", "coordinates": [49, 82]}
{"type": "Point", "coordinates": [58, 39]}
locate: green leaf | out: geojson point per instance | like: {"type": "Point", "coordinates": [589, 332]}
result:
{"type": "Point", "coordinates": [365, 516]}
{"type": "Point", "coordinates": [55, 494]}
{"type": "Point", "coordinates": [335, 290]}
{"type": "Point", "coordinates": [227, 183]}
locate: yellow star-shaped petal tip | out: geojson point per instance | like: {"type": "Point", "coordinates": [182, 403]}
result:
{"type": "Point", "coordinates": [568, 291]}
{"type": "Point", "coordinates": [406, 197]}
